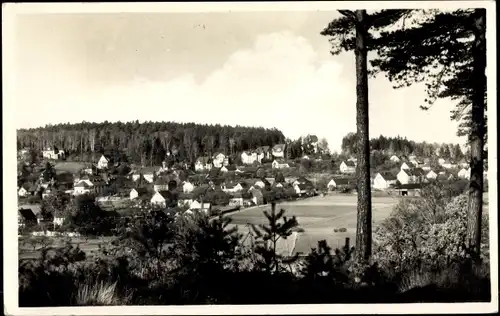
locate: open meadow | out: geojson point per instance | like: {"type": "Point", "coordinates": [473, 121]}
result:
{"type": "Point", "coordinates": [318, 217]}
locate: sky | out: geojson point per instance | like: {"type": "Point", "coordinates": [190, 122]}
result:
{"type": "Point", "coordinates": [270, 69]}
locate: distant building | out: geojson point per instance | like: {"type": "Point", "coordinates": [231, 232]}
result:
{"type": "Point", "coordinates": [431, 175]}
{"type": "Point", "coordinates": [249, 157]}
{"type": "Point", "coordinates": [203, 163]}
{"type": "Point", "coordinates": [219, 160]}
{"type": "Point", "coordinates": [407, 166]}
{"type": "Point", "coordinates": [103, 162]}
{"type": "Point", "coordinates": [394, 158]}
{"type": "Point", "coordinates": [187, 187]}
{"type": "Point", "coordinates": [464, 173]}
{"type": "Point", "coordinates": [279, 151]}
{"type": "Point", "coordinates": [279, 164]}
{"type": "Point", "coordinates": [138, 192]}
{"type": "Point", "coordinates": [383, 181]}
{"type": "Point", "coordinates": [337, 183]}
{"type": "Point", "coordinates": [348, 167]}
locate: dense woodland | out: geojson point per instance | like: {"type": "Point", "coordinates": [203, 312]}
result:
{"type": "Point", "coordinates": [147, 142]}
{"type": "Point", "coordinates": [402, 146]}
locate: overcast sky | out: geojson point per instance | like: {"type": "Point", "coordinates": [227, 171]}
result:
{"type": "Point", "coordinates": [247, 68]}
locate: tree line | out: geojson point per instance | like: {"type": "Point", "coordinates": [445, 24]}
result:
{"type": "Point", "coordinates": [402, 146]}
{"type": "Point", "coordinates": [148, 142]}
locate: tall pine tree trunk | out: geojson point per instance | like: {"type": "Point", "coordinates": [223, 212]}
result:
{"type": "Point", "coordinates": [475, 207]}
{"type": "Point", "coordinates": [364, 220]}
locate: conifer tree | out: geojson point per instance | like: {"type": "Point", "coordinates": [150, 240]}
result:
{"type": "Point", "coordinates": [446, 50]}
{"type": "Point", "coordinates": [351, 32]}
{"type": "Point", "coordinates": [267, 237]}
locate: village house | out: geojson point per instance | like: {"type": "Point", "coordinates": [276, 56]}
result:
{"type": "Point", "coordinates": [197, 206]}
{"type": "Point", "coordinates": [407, 176]}
{"type": "Point", "coordinates": [336, 183]}
{"type": "Point", "coordinates": [161, 184]}
{"type": "Point", "coordinates": [103, 162]}
{"type": "Point", "coordinates": [232, 187]}
{"type": "Point", "coordinates": [279, 164]}
{"type": "Point", "coordinates": [463, 164]}
{"type": "Point", "coordinates": [187, 187]}
{"type": "Point", "coordinates": [82, 187]}
{"type": "Point", "coordinates": [441, 161]}
{"type": "Point", "coordinates": [203, 163]}
{"type": "Point", "coordinates": [279, 151]}
{"type": "Point", "coordinates": [410, 189]}
{"type": "Point", "coordinates": [303, 189]}
{"type": "Point", "coordinates": [219, 160]}
{"type": "Point", "coordinates": [257, 196]}
{"type": "Point", "coordinates": [50, 153]}
{"type": "Point", "coordinates": [464, 173]}
{"type": "Point", "coordinates": [161, 198]}
{"type": "Point", "coordinates": [407, 166]}
{"type": "Point", "coordinates": [449, 165]}
{"type": "Point", "coordinates": [58, 219]}
{"type": "Point", "coordinates": [348, 167]}
{"type": "Point", "coordinates": [262, 183]}
{"type": "Point", "coordinates": [431, 175]}
{"type": "Point", "coordinates": [236, 199]}
{"type": "Point", "coordinates": [248, 157]}
{"type": "Point", "coordinates": [138, 193]}
{"type": "Point", "coordinates": [383, 181]}
{"type": "Point", "coordinates": [185, 200]}
{"type": "Point", "coordinates": [29, 215]}
{"type": "Point", "coordinates": [23, 191]}
{"type": "Point", "coordinates": [263, 152]}
{"type": "Point", "coordinates": [394, 159]}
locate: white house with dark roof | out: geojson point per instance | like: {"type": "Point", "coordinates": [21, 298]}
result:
{"type": "Point", "coordinates": [248, 157]}
{"type": "Point", "coordinates": [395, 159]}
{"type": "Point", "coordinates": [348, 167]}
{"type": "Point", "coordinates": [203, 163]}
{"type": "Point", "coordinates": [103, 162]}
{"type": "Point", "coordinates": [187, 187]}
{"type": "Point", "coordinates": [337, 182]}
{"type": "Point", "coordinates": [279, 150]}
{"type": "Point", "coordinates": [464, 173]}
{"type": "Point", "coordinates": [383, 181]}
{"type": "Point", "coordinates": [219, 160]}
{"type": "Point", "coordinates": [431, 175]}
{"type": "Point", "coordinates": [407, 165]}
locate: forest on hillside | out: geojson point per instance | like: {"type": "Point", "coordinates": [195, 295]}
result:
{"type": "Point", "coordinates": [402, 146]}
{"type": "Point", "coordinates": [147, 143]}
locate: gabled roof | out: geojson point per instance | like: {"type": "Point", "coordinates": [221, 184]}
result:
{"type": "Point", "coordinates": [82, 184]}
{"type": "Point", "coordinates": [141, 191]}
{"type": "Point", "coordinates": [349, 163]}
{"type": "Point", "coordinates": [166, 194]}
{"type": "Point", "coordinates": [35, 209]}
{"type": "Point", "coordinates": [388, 176]}
{"type": "Point", "coordinates": [341, 181]}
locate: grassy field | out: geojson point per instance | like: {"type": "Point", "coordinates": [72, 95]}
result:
{"type": "Point", "coordinates": [319, 217]}
{"type": "Point", "coordinates": [68, 166]}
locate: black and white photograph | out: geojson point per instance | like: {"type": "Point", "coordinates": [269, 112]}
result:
{"type": "Point", "coordinates": [249, 158]}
